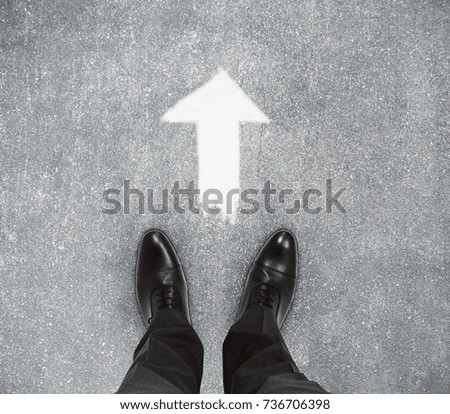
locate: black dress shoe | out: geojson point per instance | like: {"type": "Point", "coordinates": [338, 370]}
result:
{"type": "Point", "coordinates": [272, 277]}
{"type": "Point", "coordinates": [160, 281]}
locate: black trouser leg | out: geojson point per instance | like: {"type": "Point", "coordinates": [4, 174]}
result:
{"type": "Point", "coordinates": [256, 360]}
{"type": "Point", "coordinates": [168, 359]}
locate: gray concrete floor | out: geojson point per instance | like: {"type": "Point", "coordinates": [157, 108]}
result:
{"type": "Point", "coordinates": [355, 90]}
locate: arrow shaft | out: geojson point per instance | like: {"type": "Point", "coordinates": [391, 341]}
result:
{"type": "Point", "coordinates": [218, 154]}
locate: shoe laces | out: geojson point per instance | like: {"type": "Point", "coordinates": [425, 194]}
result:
{"type": "Point", "coordinates": [165, 297]}
{"type": "Point", "coordinates": [266, 296]}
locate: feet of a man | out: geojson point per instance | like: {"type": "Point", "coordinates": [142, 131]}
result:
{"type": "Point", "coordinates": [272, 277]}
{"type": "Point", "coordinates": [161, 284]}
{"type": "Point", "coordinates": [160, 281]}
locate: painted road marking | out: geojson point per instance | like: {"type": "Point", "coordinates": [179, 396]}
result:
{"type": "Point", "coordinates": [217, 108]}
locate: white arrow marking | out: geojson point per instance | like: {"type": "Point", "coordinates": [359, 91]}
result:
{"type": "Point", "coordinates": [217, 108]}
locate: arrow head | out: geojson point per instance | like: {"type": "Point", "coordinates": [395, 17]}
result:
{"type": "Point", "coordinates": [220, 98]}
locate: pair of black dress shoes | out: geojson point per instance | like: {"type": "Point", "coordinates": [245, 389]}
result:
{"type": "Point", "coordinates": [160, 280]}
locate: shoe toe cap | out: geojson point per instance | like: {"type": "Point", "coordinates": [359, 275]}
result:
{"type": "Point", "coordinates": [280, 253]}
{"type": "Point", "coordinates": [156, 253]}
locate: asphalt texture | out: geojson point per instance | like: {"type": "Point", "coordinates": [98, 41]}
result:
{"type": "Point", "coordinates": [356, 91]}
